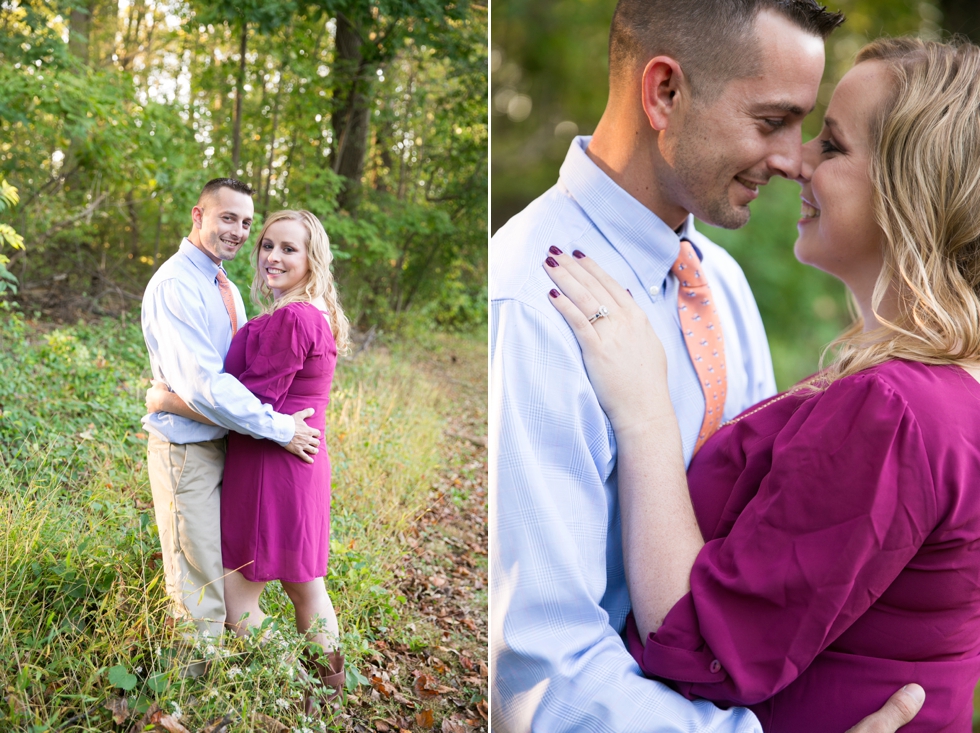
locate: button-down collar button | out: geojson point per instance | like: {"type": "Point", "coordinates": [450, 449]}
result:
{"type": "Point", "coordinates": [654, 290]}
{"type": "Point", "coordinates": [715, 666]}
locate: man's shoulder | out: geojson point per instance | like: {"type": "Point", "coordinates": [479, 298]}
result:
{"type": "Point", "coordinates": [519, 247]}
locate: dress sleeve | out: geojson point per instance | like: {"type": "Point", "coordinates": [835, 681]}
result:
{"type": "Point", "coordinates": [277, 353]}
{"type": "Point", "coordinates": [848, 502]}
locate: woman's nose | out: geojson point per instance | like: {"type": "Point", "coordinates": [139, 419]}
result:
{"type": "Point", "coordinates": [810, 160]}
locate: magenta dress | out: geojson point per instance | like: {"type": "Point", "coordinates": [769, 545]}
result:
{"type": "Point", "coordinates": [275, 508]}
{"type": "Point", "coordinates": [842, 557]}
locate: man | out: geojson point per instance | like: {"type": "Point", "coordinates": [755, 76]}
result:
{"type": "Point", "coordinates": [190, 313]}
{"type": "Point", "coordinates": [706, 103]}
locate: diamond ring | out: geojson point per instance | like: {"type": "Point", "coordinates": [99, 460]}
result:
{"type": "Point", "coordinates": [601, 313]}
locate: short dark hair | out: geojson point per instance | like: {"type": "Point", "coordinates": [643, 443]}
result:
{"type": "Point", "coordinates": [711, 39]}
{"type": "Point", "coordinates": [212, 186]}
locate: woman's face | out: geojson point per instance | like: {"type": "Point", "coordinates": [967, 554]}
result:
{"type": "Point", "coordinates": [283, 261]}
{"type": "Point", "coordinates": [837, 231]}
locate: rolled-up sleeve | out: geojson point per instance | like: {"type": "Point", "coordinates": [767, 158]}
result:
{"type": "Point", "coordinates": [848, 502]}
{"type": "Point", "coordinates": [194, 368]}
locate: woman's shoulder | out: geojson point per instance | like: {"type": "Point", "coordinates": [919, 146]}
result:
{"type": "Point", "coordinates": [300, 312]}
{"type": "Point", "coordinates": [940, 400]}
{"type": "Point", "coordinates": [924, 386]}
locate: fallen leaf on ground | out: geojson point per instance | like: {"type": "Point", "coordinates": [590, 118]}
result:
{"type": "Point", "coordinates": [159, 720]}
{"type": "Point", "coordinates": [270, 725]}
{"type": "Point", "coordinates": [119, 707]}
{"type": "Point", "coordinates": [424, 718]}
{"type": "Point", "coordinates": [454, 726]}
{"type": "Point", "coordinates": [401, 699]}
{"type": "Point", "coordinates": [385, 688]}
{"type": "Point", "coordinates": [220, 725]}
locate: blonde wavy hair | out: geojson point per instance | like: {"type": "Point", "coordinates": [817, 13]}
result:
{"type": "Point", "coordinates": [319, 280]}
{"type": "Point", "coordinates": [925, 177]}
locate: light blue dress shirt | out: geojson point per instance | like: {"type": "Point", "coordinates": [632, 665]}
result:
{"type": "Point", "coordinates": [188, 332]}
{"type": "Point", "coordinates": [558, 595]}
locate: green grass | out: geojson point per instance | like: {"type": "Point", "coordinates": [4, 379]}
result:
{"type": "Point", "coordinates": [81, 594]}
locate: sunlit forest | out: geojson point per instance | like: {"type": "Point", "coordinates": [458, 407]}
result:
{"type": "Point", "coordinates": [114, 113]}
{"type": "Point", "coordinates": [549, 83]}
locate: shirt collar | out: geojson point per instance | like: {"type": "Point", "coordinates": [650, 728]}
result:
{"type": "Point", "coordinates": [200, 260]}
{"type": "Point", "coordinates": [639, 235]}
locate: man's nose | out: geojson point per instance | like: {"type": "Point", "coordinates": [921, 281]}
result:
{"type": "Point", "coordinates": [787, 161]}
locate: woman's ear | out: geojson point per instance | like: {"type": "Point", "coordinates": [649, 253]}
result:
{"type": "Point", "coordinates": [661, 83]}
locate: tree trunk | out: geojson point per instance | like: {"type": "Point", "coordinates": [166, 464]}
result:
{"type": "Point", "coordinates": [272, 145]}
{"type": "Point", "coordinates": [236, 147]}
{"type": "Point", "coordinates": [351, 112]}
{"type": "Point", "coordinates": [963, 17]}
{"type": "Point", "coordinates": [156, 243]}
{"type": "Point", "coordinates": [80, 27]}
{"type": "Point", "coordinates": [134, 225]}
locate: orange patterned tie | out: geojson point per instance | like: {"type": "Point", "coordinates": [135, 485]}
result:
{"type": "Point", "coordinates": [702, 335]}
{"type": "Point", "coordinates": [225, 287]}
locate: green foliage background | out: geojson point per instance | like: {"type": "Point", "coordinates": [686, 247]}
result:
{"type": "Point", "coordinates": [114, 113]}
{"type": "Point", "coordinates": [549, 82]}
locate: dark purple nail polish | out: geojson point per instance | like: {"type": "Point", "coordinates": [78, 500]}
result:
{"type": "Point", "coordinates": [553, 293]}
{"type": "Point", "coordinates": [554, 250]}
{"type": "Point", "coordinates": [578, 255]}
{"type": "Point", "coordinates": [551, 262]}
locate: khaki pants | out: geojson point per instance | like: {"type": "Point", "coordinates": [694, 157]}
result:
{"type": "Point", "coordinates": [186, 485]}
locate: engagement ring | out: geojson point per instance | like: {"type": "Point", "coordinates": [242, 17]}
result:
{"type": "Point", "coordinates": [601, 313]}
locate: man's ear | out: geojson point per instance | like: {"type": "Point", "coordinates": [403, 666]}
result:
{"type": "Point", "coordinates": [197, 216]}
{"type": "Point", "coordinates": [662, 82]}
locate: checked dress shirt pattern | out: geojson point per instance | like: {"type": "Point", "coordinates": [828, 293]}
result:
{"type": "Point", "coordinates": [702, 336]}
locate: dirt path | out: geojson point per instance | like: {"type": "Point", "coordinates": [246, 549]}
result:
{"type": "Point", "coordinates": [435, 675]}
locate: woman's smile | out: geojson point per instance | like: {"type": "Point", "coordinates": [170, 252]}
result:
{"type": "Point", "coordinates": [283, 260]}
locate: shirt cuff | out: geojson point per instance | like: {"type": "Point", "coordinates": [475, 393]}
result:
{"type": "Point", "coordinates": [284, 427]}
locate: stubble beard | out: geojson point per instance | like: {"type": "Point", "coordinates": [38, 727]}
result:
{"type": "Point", "coordinates": [708, 196]}
{"type": "Point", "coordinates": [217, 248]}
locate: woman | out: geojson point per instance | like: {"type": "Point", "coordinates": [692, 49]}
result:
{"type": "Point", "coordinates": [829, 549]}
{"type": "Point", "coordinates": [275, 508]}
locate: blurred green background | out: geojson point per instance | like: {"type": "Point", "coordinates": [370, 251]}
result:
{"type": "Point", "coordinates": [549, 71]}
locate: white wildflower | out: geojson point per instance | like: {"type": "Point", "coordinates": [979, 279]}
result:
{"type": "Point", "coordinates": [280, 703]}
{"type": "Point", "coordinates": [178, 713]}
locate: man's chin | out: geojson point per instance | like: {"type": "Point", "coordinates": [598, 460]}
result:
{"type": "Point", "coordinates": [732, 216]}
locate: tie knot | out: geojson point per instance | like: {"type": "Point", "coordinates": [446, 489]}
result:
{"type": "Point", "coordinates": [687, 267]}
{"type": "Point", "coordinates": [222, 277]}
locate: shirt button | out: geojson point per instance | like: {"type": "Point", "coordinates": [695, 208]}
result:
{"type": "Point", "coordinates": [715, 666]}
{"type": "Point", "coordinates": [654, 291]}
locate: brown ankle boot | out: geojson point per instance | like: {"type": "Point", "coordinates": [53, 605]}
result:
{"type": "Point", "coordinates": [331, 675]}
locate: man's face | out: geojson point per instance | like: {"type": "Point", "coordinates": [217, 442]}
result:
{"type": "Point", "coordinates": [224, 221]}
{"type": "Point", "coordinates": [723, 150]}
